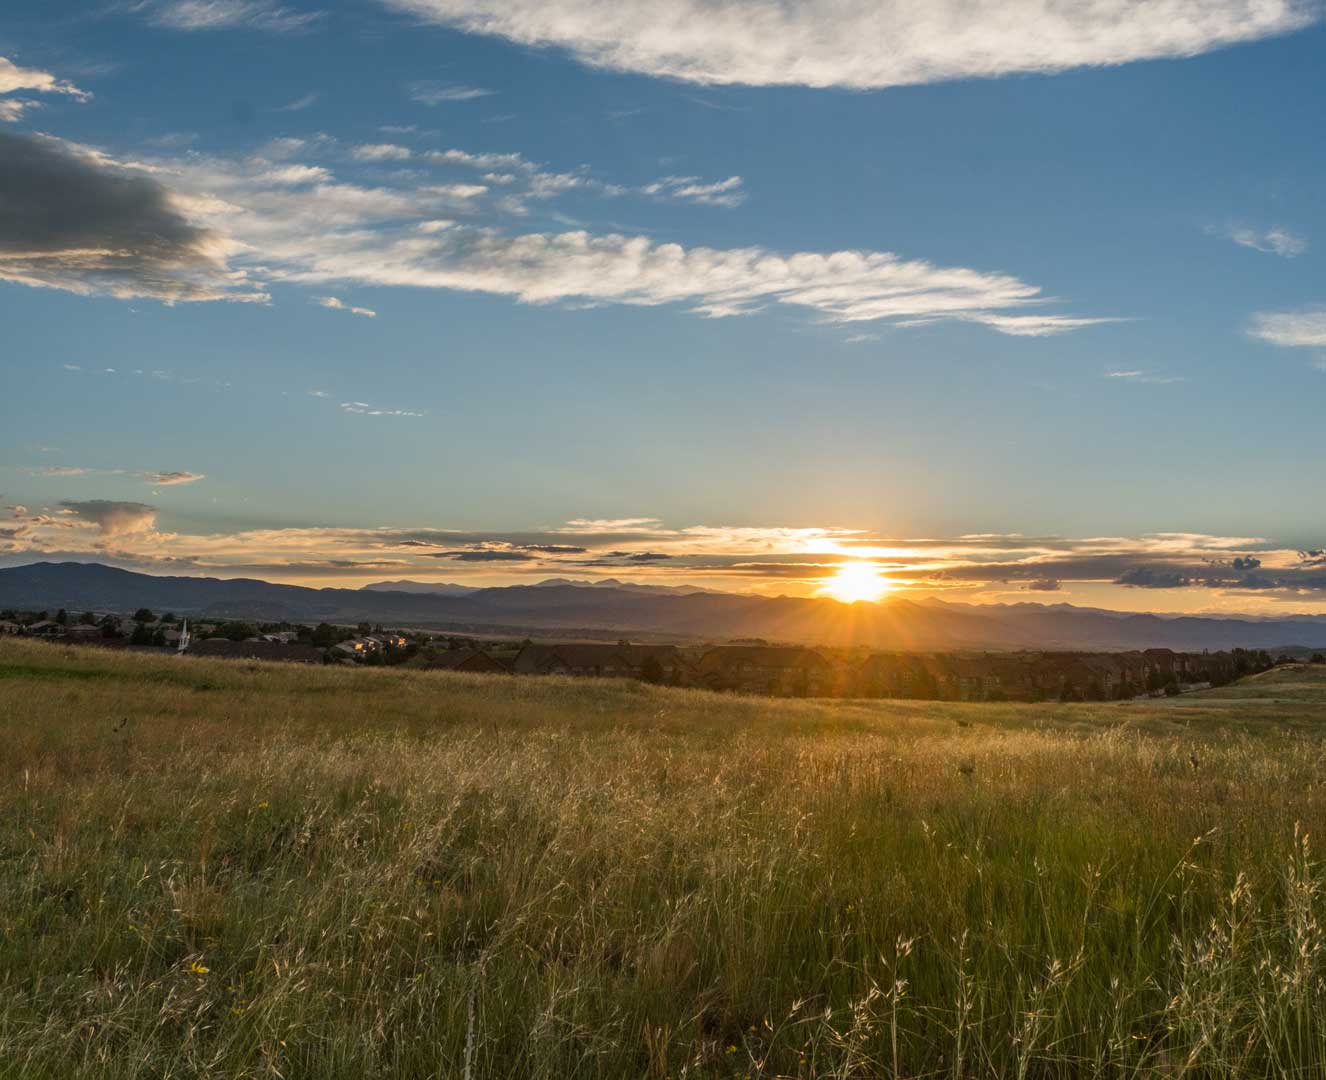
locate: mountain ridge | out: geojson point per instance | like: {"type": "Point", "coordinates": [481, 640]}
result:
{"type": "Point", "coordinates": [898, 624]}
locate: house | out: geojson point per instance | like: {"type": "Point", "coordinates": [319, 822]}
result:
{"type": "Point", "coordinates": [471, 660]}
{"type": "Point", "coordinates": [81, 632]}
{"type": "Point", "coordinates": [7, 627]}
{"type": "Point", "coordinates": [45, 628]}
{"type": "Point", "coordinates": [767, 669]}
{"type": "Point", "coordinates": [357, 648]}
{"type": "Point", "coordinates": [281, 652]}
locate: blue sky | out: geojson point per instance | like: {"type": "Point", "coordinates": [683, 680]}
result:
{"type": "Point", "coordinates": [1077, 296]}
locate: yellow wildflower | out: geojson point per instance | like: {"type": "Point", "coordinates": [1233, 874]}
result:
{"type": "Point", "coordinates": [199, 969]}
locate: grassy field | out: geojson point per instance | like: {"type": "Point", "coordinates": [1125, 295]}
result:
{"type": "Point", "coordinates": [233, 870]}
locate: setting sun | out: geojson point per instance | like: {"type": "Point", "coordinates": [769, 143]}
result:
{"type": "Point", "coordinates": [857, 581]}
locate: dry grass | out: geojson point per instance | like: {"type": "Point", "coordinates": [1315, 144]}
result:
{"type": "Point", "coordinates": [222, 870]}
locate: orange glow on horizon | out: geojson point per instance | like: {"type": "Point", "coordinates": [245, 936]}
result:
{"type": "Point", "coordinates": [855, 581]}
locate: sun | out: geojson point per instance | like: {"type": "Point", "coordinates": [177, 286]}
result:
{"type": "Point", "coordinates": [857, 581]}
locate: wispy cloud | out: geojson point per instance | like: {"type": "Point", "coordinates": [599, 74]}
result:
{"type": "Point", "coordinates": [432, 93]}
{"type": "Point", "coordinates": [168, 478]}
{"type": "Point", "coordinates": [61, 471]}
{"type": "Point", "coordinates": [298, 105]}
{"type": "Point", "coordinates": [693, 189]}
{"type": "Point", "coordinates": [865, 43]}
{"type": "Point", "coordinates": [194, 15]}
{"type": "Point", "coordinates": [363, 408]}
{"type": "Point", "coordinates": [1139, 376]}
{"type": "Point", "coordinates": [172, 479]}
{"type": "Point", "coordinates": [1274, 241]}
{"type": "Point", "coordinates": [1290, 328]}
{"type": "Point", "coordinates": [337, 305]}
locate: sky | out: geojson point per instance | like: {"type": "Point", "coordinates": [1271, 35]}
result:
{"type": "Point", "coordinates": [1011, 301]}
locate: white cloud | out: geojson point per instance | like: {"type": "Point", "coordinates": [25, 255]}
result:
{"type": "Point", "coordinates": [866, 44]}
{"type": "Point", "coordinates": [479, 161]}
{"type": "Point", "coordinates": [380, 152]}
{"type": "Point", "coordinates": [325, 232]}
{"type": "Point", "coordinates": [226, 15]}
{"type": "Point", "coordinates": [337, 305]}
{"type": "Point", "coordinates": [14, 78]}
{"type": "Point", "coordinates": [431, 93]}
{"type": "Point", "coordinates": [11, 111]}
{"type": "Point", "coordinates": [727, 192]}
{"type": "Point", "coordinates": [845, 286]}
{"type": "Point", "coordinates": [1301, 328]}
{"type": "Point", "coordinates": [1275, 241]}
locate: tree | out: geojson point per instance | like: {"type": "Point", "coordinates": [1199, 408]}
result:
{"type": "Point", "coordinates": [236, 631]}
{"type": "Point", "coordinates": [651, 671]}
{"type": "Point", "coordinates": [325, 635]}
{"type": "Point", "coordinates": [141, 635]}
{"type": "Point", "coordinates": [1318, 658]}
{"type": "Point", "coordinates": [142, 615]}
{"type": "Point", "coordinates": [87, 619]}
{"type": "Point", "coordinates": [62, 617]}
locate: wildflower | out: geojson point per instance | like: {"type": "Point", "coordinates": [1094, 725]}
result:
{"type": "Point", "coordinates": [731, 1049]}
{"type": "Point", "coordinates": [199, 969]}
{"type": "Point", "coordinates": [236, 1010]}
{"type": "Point", "coordinates": [264, 805]}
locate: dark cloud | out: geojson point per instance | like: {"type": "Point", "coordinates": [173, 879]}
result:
{"type": "Point", "coordinates": [1249, 563]}
{"type": "Point", "coordinates": [113, 518]}
{"type": "Point", "coordinates": [1153, 577]}
{"type": "Point", "coordinates": [553, 549]}
{"type": "Point", "coordinates": [1043, 585]}
{"type": "Point", "coordinates": [647, 557]}
{"type": "Point", "coordinates": [72, 220]}
{"type": "Point", "coordinates": [1315, 557]}
{"type": "Point", "coordinates": [483, 556]}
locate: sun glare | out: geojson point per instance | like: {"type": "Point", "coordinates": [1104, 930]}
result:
{"type": "Point", "coordinates": [856, 581]}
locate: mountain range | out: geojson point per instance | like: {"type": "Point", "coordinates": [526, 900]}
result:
{"type": "Point", "coordinates": [657, 611]}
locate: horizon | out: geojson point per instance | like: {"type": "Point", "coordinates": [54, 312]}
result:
{"type": "Point", "coordinates": [329, 293]}
{"type": "Point", "coordinates": [887, 598]}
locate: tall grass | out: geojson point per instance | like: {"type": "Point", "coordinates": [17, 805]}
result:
{"type": "Point", "coordinates": [221, 870]}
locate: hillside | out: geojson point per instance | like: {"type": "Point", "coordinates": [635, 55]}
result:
{"type": "Point", "coordinates": [894, 624]}
{"type": "Point", "coordinates": [231, 869]}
